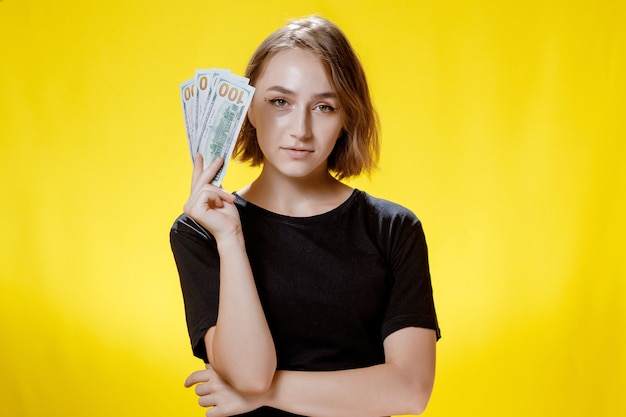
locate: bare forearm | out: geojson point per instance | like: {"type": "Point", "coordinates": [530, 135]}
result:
{"type": "Point", "coordinates": [241, 348]}
{"type": "Point", "coordinates": [402, 385]}
{"type": "Point", "coordinates": [380, 390]}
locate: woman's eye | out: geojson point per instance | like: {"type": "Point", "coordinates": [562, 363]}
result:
{"type": "Point", "coordinates": [325, 108]}
{"type": "Point", "coordinates": [278, 102]}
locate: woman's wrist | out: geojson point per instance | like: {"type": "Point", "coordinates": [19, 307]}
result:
{"type": "Point", "coordinates": [230, 241]}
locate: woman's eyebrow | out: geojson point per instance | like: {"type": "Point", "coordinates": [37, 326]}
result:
{"type": "Point", "coordinates": [329, 94]}
{"type": "Point", "coordinates": [283, 90]}
{"type": "Point", "coordinates": [280, 89]}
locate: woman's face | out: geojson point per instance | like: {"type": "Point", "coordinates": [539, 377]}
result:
{"type": "Point", "coordinates": [296, 114]}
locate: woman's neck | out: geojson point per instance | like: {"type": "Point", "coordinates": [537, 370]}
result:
{"type": "Point", "coordinates": [296, 197]}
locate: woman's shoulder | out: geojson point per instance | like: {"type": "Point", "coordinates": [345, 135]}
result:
{"type": "Point", "coordinates": [386, 209]}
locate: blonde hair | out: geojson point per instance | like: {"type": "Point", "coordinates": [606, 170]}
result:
{"type": "Point", "coordinates": [357, 149]}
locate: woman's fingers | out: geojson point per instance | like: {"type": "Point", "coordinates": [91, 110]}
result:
{"type": "Point", "coordinates": [202, 389]}
{"type": "Point", "coordinates": [206, 401]}
{"type": "Point", "coordinates": [211, 170]}
{"type": "Point", "coordinates": [197, 377]}
{"type": "Point", "coordinates": [204, 195]}
{"type": "Point", "coordinates": [206, 198]}
{"type": "Point", "coordinates": [198, 168]}
{"type": "Point", "coordinates": [211, 197]}
{"type": "Point", "coordinates": [202, 375]}
{"type": "Point", "coordinates": [202, 386]}
{"type": "Point", "coordinates": [210, 205]}
{"type": "Point", "coordinates": [203, 175]}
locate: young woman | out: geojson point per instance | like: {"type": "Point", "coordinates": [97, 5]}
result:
{"type": "Point", "coordinates": [302, 295]}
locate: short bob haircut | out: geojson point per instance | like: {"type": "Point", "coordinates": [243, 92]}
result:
{"type": "Point", "coordinates": [357, 149]}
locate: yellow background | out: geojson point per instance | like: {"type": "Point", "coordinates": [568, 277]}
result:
{"type": "Point", "coordinates": [503, 130]}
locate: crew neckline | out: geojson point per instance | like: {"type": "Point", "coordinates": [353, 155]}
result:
{"type": "Point", "coordinates": [337, 210]}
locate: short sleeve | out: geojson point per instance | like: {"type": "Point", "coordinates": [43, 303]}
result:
{"type": "Point", "coordinates": [411, 302]}
{"type": "Point", "coordinates": [197, 260]}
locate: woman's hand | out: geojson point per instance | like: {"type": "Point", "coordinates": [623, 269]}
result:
{"type": "Point", "coordinates": [214, 392]}
{"type": "Point", "coordinates": [209, 205]}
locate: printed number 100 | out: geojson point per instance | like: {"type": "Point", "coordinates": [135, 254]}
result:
{"type": "Point", "coordinates": [232, 93]}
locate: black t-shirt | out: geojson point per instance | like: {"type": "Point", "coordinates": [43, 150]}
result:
{"type": "Point", "coordinates": [333, 286]}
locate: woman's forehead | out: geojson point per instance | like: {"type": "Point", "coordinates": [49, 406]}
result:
{"type": "Point", "coordinates": [293, 68]}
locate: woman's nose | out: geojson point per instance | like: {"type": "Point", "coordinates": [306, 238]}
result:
{"type": "Point", "coordinates": [301, 123]}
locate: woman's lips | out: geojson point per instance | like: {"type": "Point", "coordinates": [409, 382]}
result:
{"type": "Point", "coordinates": [297, 153]}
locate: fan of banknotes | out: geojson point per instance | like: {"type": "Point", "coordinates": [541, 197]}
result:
{"type": "Point", "coordinates": [215, 103]}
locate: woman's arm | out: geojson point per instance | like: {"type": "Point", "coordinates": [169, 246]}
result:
{"type": "Point", "coordinates": [240, 345]}
{"type": "Point", "coordinates": [402, 385]}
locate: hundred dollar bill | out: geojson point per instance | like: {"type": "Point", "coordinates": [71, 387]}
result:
{"type": "Point", "coordinates": [206, 82]}
{"type": "Point", "coordinates": [204, 85]}
{"type": "Point", "coordinates": [228, 105]}
{"type": "Point", "coordinates": [194, 94]}
{"type": "Point", "coordinates": [188, 100]}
